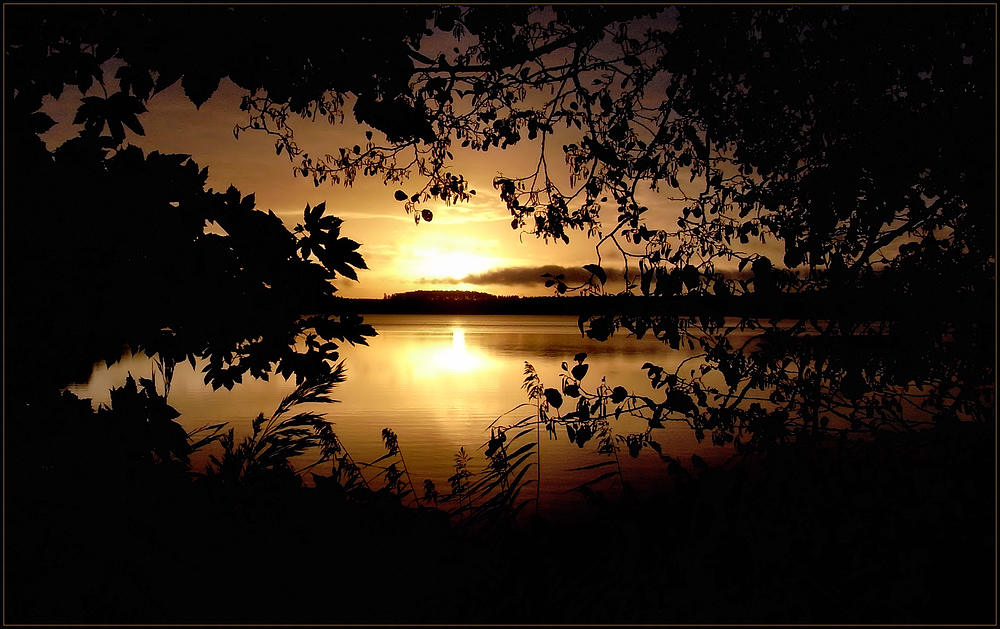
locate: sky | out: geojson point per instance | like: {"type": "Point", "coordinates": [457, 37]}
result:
{"type": "Point", "coordinates": [470, 241]}
{"type": "Point", "coordinates": [467, 246]}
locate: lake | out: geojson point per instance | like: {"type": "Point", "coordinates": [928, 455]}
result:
{"type": "Point", "coordinates": [439, 382]}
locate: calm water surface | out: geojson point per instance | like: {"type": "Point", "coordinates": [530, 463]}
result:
{"type": "Point", "coordinates": [439, 382]}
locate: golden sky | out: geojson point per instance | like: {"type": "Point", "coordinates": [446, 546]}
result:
{"type": "Point", "coordinates": [468, 246]}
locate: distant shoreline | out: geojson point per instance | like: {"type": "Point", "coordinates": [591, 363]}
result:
{"type": "Point", "coordinates": [811, 305]}
{"type": "Point", "coordinates": [575, 305]}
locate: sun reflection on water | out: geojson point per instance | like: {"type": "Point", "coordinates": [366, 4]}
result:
{"type": "Point", "coordinates": [457, 358]}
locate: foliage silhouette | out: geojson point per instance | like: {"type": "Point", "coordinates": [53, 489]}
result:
{"type": "Point", "coordinates": [459, 482]}
{"type": "Point", "coordinates": [759, 124]}
{"type": "Point", "coordinates": [848, 137]}
{"type": "Point", "coordinates": [860, 524]}
{"type": "Point", "coordinates": [393, 476]}
{"type": "Point", "coordinates": [122, 229]}
{"type": "Point", "coordinates": [492, 502]}
{"type": "Point", "coordinates": [265, 456]}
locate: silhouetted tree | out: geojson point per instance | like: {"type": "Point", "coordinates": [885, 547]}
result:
{"type": "Point", "coordinates": [109, 248]}
{"type": "Point", "coordinates": [858, 138]}
{"type": "Point", "coordinates": [851, 135]}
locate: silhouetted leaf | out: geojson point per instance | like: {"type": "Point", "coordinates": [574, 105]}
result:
{"type": "Point", "coordinates": [41, 122]}
{"type": "Point", "coordinates": [592, 466]}
{"type": "Point", "coordinates": [553, 397]}
{"type": "Point", "coordinates": [199, 86]}
{"type": "Point", "coordinates": [690, 277]}
{"type": "Point", "coordinates": [598, 271]}
{"type": "Point", "coordinates": [604, 476]}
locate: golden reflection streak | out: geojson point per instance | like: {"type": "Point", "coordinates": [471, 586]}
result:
{"type": "Point", "coordinates": [457, 357]}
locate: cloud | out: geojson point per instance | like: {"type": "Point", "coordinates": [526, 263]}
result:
{"type": "Point", "coordinates": [515, 276]}
{"type": "Point", "coordinates": [444, 215]}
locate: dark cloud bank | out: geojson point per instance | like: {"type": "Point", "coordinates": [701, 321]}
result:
{"type": "Point", "coordinates": [516, 276]}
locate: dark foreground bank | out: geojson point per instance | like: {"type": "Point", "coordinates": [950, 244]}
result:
{"type": "Point", "coordinates": [901, 530]}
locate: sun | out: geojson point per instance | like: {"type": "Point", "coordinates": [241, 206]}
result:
{"type": "Point", "coordinates": [434, 263]}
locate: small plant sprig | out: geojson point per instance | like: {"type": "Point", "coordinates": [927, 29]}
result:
{"type": "Point", "coordinates": [392, 474]}
{"type": "Point", "coordinates": [277, 440]}
{"type": "Point", "coordinates": [589, 420]}
{"type": "Point", "coordinates": [536, 392]}
{"type": "Point", "coordinates": [460, 484]}
{"type": "Point", "coordinates": [502, 480]}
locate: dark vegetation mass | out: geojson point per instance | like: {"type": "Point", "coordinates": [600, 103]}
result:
{"type": "Point", "coordinates": [860, 139]}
